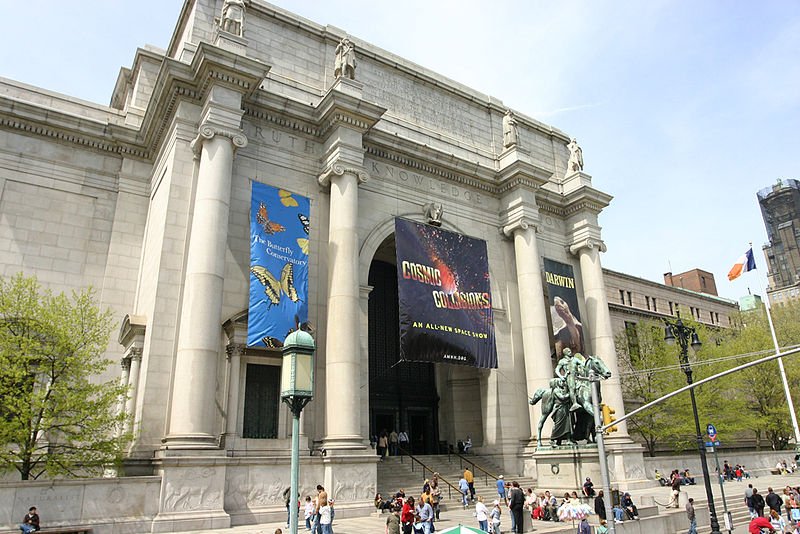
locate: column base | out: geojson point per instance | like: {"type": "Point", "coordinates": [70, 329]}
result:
{"type": "Point", "coordinates": [345, 446]}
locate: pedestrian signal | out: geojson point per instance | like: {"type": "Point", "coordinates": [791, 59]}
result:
{"type": "Point", "coordinates": [607, 417]}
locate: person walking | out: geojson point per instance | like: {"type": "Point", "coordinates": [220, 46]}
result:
{"type": "Point", "coordinates": [393, 441]}
{"type": "Point", "coordinates": [482, 515]}
{"type": "Point", "coordinates": [773, 500]}
{"type": "Point", "coordinates": [748, 500]}
{"type": "Point", "coordinates": [393, 521]}
{"type": "Point", "coordinates": [691, 516]}
{"type": "Point", "coordinates": [407, 516]}
{"type": "Point", "coordinates": [463, 486]}
{"type": "Point", "coordinates": [494, 517]}
{"type": "Point", "coordinates": [758, 503]}
{"type": "Point", "coordinates": [675, 489]}
{"type": "Point", "coordinates": [426, 517]}
{"type": "Point", "coordinates": [501, 488]}
{"type": "Point", "coordinates": [470, 478]}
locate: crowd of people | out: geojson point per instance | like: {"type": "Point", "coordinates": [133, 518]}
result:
{"type": "Point", "coordinates": [730, 472]}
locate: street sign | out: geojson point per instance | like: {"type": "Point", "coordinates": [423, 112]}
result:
{"type": "Point", "coordinates": [713, 443]}
{"type": "Point", "coordinates": [712, 431]}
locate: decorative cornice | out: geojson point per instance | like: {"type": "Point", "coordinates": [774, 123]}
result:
{"type": "Point", "coordinates": [208, 131]}
{"type": "Point", "coordinates": [274, 118]}
{"type": "Point", "coordinates": [340, 170]}
{"type": "Point", "coordinates": [343, 118]}
{"type": "Point", "coordinates": [588, 243]}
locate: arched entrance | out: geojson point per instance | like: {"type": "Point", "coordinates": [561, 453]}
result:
{"type": "Point", "coordinates": [402, 395]}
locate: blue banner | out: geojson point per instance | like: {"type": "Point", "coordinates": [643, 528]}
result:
{"type": "Point", "coordinates": [279, 224]}
{"type": "Point", "coordinates": [444, 295]}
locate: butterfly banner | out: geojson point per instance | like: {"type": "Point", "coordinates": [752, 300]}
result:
{"type": "Point", "coordinates": [279, 222]}
{"type": "Point", "coordinates": [444, 296]}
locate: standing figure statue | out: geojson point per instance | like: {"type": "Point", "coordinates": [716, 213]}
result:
{"type": "Point", "coordinates": [345, 64]}
{"type": "Point", "coordinates": [232, 20]}
{"type": "Point", "coordinates": [568, 369]}
{"type": "Point", "coordinates": [510, 132]}
{"type": "Point", "coordinates": [568, 399]}
{"type": "Point", "coordinates": [575, 163]}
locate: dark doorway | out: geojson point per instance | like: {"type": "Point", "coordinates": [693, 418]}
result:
{"type": "Point", "coordinates": [261, 401]}
{"type": "Point", "coordinates": [402, 394]}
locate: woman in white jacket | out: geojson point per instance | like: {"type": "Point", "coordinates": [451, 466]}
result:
{"type": "Point", "coordinates": [482, 515]}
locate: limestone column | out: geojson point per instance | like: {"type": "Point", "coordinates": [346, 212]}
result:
{"type": "Point", "coordinates": [538, 367]}
{"type": "Point", "coordinates": [125, 373]}
{"type": "Point", "coordinates": [342, 351]}
{"type": "Point", "coordinates": [135, 355]}
{"type": "Point", "coordinates": [234, 360]}
{"type": "Point", "coordinates": [599, 322]}
{"type": "Point", "coordinates": [192, 413]}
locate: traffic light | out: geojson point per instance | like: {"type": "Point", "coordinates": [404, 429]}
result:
{"type": "Point", "coordinates": [607, 419]}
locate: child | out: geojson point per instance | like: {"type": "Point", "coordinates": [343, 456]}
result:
{"type": "Point", "coordinates": [494, 518]}
{"type": "Point", "coordinates": [308, 511]}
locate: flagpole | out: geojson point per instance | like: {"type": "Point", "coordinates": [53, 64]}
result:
{"type": "Point", "coordinates": [783, 375]}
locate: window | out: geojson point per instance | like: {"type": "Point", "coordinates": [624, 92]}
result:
{"type": "Point", "coordinates": [261, 401]}
{"type": "Point", "coordinates": [703, 282]}
{"type": "Point", "coordinates": [622, 296]}
{"type": "Point", "coordinates": [691, 310]}
{"type": "Point", "coordinates": [647, 301]}
{"type": "Point", "coordinates": [677, 310]}
{"type": "Point", "coordinates": [671, 310]}
{"type": "Point", "coordinates": [655, 305]}
{"type": "Point", "coordinates": [630, 301]}
{"type": "Point", "coordinates": [633, 339]}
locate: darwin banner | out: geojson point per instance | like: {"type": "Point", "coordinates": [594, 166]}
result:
{"type": "Point", "coordinates": [444, 296]}
{"type": "Point", "coordinates": [279, 223]}
{"type": "Point", "coordinates": [566, 318]}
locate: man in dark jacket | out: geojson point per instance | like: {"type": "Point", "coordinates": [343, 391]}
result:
{"type": "Point", "coordinates": [600, 505]}
{"type": "Point", "coordinates": [758, 503]}
{"type": "Point", "coordinates": [516, 501]}
{"type": "Point", "coordinates": [774, 501]}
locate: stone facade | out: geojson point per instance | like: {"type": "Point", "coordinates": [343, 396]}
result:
{"type": "Point", "coordinates": [148, 199]}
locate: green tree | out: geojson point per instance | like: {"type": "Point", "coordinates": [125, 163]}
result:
{"type": "Point", "coordinates": [649, 370]}
{"type": "Point", "coordinates": [55, 417]}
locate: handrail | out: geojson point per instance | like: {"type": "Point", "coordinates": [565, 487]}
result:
{"type": "Point", "coordinates": [450, 486]}
{"type": "Point", "coordinates": [486, 473]}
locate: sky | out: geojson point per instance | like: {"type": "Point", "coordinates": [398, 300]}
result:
{"type": "Point", "coordinates": [684, 109]}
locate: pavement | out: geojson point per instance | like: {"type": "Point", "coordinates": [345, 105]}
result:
{"type": "Point", "coordinates": [374, 524]}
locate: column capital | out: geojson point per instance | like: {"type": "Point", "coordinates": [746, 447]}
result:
{"type": "Point", "coordinates": [587, 243]}
{"type": "Point", "coordinates": [338, 169]}
{"type": "Point", "coordinates": [125, 363]}
{"type": "Point", "coordinates": [235, 349]}
{"type": "Point", "coordinates": [209, 131]}
{"type": "Point", "coordinates": [520, 224]}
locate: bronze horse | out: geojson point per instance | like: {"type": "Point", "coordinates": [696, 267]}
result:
{"type": "Point", "coordinates": [583, 421]}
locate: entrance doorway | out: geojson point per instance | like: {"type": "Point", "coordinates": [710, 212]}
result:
{"type": "Point", "coordinates": [402, 395]}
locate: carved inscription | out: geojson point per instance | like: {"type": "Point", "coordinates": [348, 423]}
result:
{"type": "Point", "coordinates": [279, 138]}
{"type": "Point", "coordinates": [420, 103]}
{"type": "Point", "coordinates": [423, 182]}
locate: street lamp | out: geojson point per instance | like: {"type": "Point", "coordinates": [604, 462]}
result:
{"type": "Point", "coordinates": [686, 336]}
{"type": "Point", "coordinates": [297, 390]}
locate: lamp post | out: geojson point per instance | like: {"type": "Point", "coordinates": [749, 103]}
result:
{"type": "Point", "coordinates": [686, 336]}
{"type": "Point", "coordinates": [297, 390]}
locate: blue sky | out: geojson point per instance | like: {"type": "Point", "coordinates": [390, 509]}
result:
{"type": "Point", "coordinates": [683, 109]}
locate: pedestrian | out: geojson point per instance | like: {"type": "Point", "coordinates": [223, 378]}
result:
{"type": "Point", "coordinates": [675, 489]}
{"type": "Point", "coordinates": [758, 523]}
{"type": "Point", "coordinates": [773, 500]}
{"type": "Point", "coordinates": [748, 500]}
{"type": "Point", "coordinates": [583, 527]}
{"type": "Point", "coordinates": [600, 505]}
{"type": "Point", "coordinates": [501, 488]}
{"type": "Point", "coordinates": [602, 528]}
{"type": "Point", "coordinates": [30, 522]}
{"type": "Point", "coordinates": [407, 516]}
{"type": "Point", "coordinates": [690, 515]}
{"type": "Point", "coordinates": [471, 482]}
{"type": "Point", "coordinates": [393, 521]}
{"type": "Point", "coordinates": [393, 440]}
{"type": "Point", "coordinates": [482, 515]}
{"type": "Point", "coordinates": [436, 493]}
{"type": "Point", "coordinates": [383, 444]}
{"type": "Point", "coordinates": [403, 441]}
{"type": "Point", "coordinates": [321, 500]}
{"type": "Point", "coordinates": [494, 517]}
{"type": "Point", "coordinates": [758, 503]}
{"type": "Point", "coordinates": [308, 512]}
{"type": "Point", "coordinates": [326, 517]}
{"type": "Point", "coordinates": [463, 486]}
{"type": "Point", "coordinates": [777, 522]}
{"type": "Point", "coordinates": [426, 517]}
{"type": "Point", "coordinates": [515, 503]}
{"type": "Point", "coordinates": [287, 500]}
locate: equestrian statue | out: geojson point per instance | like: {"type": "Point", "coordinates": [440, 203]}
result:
{"type": "Point", "coordinates": [569, 399]}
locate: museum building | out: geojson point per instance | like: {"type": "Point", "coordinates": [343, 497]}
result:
{"type": "Point", "coordinates": [149, 201]}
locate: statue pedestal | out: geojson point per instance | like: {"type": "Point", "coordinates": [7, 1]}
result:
{"type": "Point", "coordinates": [565, 468]}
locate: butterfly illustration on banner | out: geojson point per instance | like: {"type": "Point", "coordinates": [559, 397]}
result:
{"type": "Point", "coordinates": [272, 287]}
{"type": "Point", "coordinates": [270, 227]}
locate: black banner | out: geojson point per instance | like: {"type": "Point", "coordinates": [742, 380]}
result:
{"type": "Point", "coordinates": [566, 318]}
{"type": "Point", "coordinates": [444, 296]}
